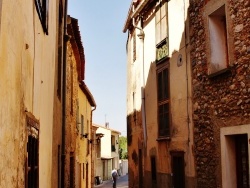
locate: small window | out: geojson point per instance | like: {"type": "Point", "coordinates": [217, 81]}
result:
{"type": "Point", "coordinates": [83, 171]}
{"type": "Point", "coordinates": [42, 7]}
{"type": "Point", "coordinates": [218, 41]}
{"type": "Point", "coordinates": [72, 170]}
{"type": "Point", "coordinates": [163, 101]}
{"type": "Point", "coordinates": [82, 124]}
{"type": "Point", "coordinates": [134, 46]}
{"type": "Point", "coordinates": [161, 21]}
{"type": "Point", "coordinates": [153, 169]}
{"type": "Point", "coordinates": [98, 148]}
{"type": "Point", "coordinates": [113, 143]}
{"type": "Point", "coordinates": [32, 153]}
{"type": "Point", "coordinates": [71, 88]}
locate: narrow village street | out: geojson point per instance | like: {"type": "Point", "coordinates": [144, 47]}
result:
{"type": "Point", "coordinates": [122, 182]}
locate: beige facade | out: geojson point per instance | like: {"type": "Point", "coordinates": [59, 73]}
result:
{"type": "Point", "coordinates": [106, 151]}
{"type": "Point", "coordinates": [28, 50]}
{"type": "Point", "coordinates": [84, 138]}
{"type": "Point", "coordinates": [159, 117]}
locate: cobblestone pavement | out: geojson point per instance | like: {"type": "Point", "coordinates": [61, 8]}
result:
{"type": "Point", "coordinates": [122, 182]}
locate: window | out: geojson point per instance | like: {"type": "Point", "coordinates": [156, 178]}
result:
{"type": "Point", "coordinates": [163, 101]}
{"type": "Point", "coordinates": [98, 148]}
{"type": "Point", "coordinates": [32, 179]}
{"type": "Point", "coordinates": [134, 107]}
{"type": "Point", "coordinates": [112, 143]}
{"type": "Point", "coordinates": [71, 88]}
{"type": "Point", "coordinates": [153, 169]}
{"type": "Point", "coordinates": [83, 171]}
{"type": "Point", "coordinates": [218, 41]}
{"type": "Point", "coordinates": [82, 125]}
{"type": "Point", "coordinates": [242, 163]}
{"type": "Point", "coordinates": [42, 7]}
{"type": "Point", "coordinates": [134, 46]}
{"type": "Point", "coordinates": [72, 170]}
{"type": "Point", "coordinates": [161, 30]}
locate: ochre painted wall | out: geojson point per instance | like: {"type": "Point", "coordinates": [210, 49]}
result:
{"type": "Point", "coordinates": [27, 60]}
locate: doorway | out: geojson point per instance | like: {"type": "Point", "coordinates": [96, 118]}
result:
{"type": "Point", "coordinates": [178, 169]}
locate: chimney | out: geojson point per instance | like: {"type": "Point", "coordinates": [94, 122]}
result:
{"type": "Point", "coordinates": [107, 124]}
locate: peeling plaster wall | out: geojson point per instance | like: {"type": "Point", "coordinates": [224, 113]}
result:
{"type": "Point", "coordinates": [27, 60]}
{"type": "Point", "coordinates": [180, 95]}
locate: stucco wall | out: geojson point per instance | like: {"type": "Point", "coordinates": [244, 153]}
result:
{"type": "Point", "coordinates": [180, 101]}
{"type": "Point", "coordinates": [81, 143]}
{"type": "Point", "coordinates": [27, 60]}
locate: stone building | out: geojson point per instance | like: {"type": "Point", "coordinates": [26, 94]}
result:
{"type": "Point", "coordinates": [220, 58]}
{"type": "Point", "coordinates": [80, 105]}
{"type": "Point", "coordinates": [29, 43]}
{"type": "Point", "coordinates": [159, 111]}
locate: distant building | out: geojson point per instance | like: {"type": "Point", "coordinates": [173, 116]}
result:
{"type": "Point", "coordinates": [106, 151]}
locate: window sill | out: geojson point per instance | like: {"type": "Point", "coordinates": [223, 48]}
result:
{"type": "Point", "coordinates": [166, 138]}
{"type": "Point", "coordinates": [223, 71]}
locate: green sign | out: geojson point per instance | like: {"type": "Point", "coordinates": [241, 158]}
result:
{"type": "Point", "coordinates": [162, 50]}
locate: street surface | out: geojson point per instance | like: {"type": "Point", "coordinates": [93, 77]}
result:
{"type": "Point", "coordinates": [122, 182]}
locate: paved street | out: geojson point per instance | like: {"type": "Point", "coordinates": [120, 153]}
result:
{"type": "Point", "coordinates": [122, 182]}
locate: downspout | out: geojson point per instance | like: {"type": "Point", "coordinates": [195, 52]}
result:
{"type": "Point", "coordinates": [65, 39]}
{"type": "Point", "coordinates": [186, 56]}
{"type": "Point", "coordinates": [141, 36]}
{"type": "Point", "coordinates": [92, 145]}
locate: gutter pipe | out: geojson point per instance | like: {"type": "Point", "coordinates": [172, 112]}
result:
{"type": "Point", "coordinates": [65, 39]}
{"type": "Point", "coordinates": [141, 36]}
{"type": "Point", "coordinates": [92, 145]}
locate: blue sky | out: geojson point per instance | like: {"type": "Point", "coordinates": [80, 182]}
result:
{"type": "Point", "coordinates": [101, 23]}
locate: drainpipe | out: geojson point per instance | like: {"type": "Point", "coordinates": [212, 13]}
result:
{"type": "Point", "coordinates": [186, 56]}
{"type": "Point", "coordinates": [141, 36]}
{"type": "Point", "coordinates": [91, 157]}
{"type": "Point", "coordinates": [65, 39]}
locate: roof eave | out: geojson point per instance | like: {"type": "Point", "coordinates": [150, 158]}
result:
{"type": "Point", "coordinates": [90, 97]}
{"type": "Point", "coordinates": [132, 15]}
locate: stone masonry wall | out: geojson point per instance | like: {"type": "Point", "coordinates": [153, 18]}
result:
{"type": "Point", "coordinates": [222, 100]}
{"type": "Point", "coordinates": [71, 104]}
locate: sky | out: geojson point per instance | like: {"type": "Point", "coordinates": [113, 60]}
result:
{"type": "Point", "coordinates": [101, 24]}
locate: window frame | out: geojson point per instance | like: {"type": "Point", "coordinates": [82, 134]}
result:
{"type": "Point", "coordinates": [42, 7]}
{"type": "Point", "coordinates": [160, 68]}
{"type": "Point", "coordinates": [210, 9]}
{"type": "Point", "coordinates": [161, 31]}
